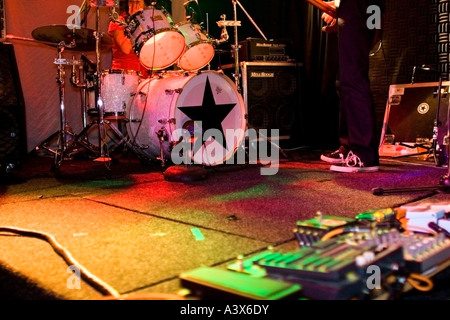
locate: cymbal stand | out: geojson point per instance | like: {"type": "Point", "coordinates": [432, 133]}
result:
{"type": "Point", "coordinates": [236, 46]}
{"type": "Point", "coordinates": [102, 122]}
{"type": "Point", "coordinates": [104, 155]}
{"type": "Point", "coordinates": [64, 134]}
{"type": "Point", "coordinates": [67, 140]}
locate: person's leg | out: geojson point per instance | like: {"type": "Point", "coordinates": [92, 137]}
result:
{"type": "Point", "coordinates": [355, 40]}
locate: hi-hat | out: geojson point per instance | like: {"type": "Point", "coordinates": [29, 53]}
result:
{"type": "Point", "coordinates": [82, 38]}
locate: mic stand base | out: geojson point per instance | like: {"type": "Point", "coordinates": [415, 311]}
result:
{"type": "Point", "coordinates": [443, 186]}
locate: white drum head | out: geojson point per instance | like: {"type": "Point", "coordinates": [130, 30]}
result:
{"type": "Point", "coordinates": [206, 106]}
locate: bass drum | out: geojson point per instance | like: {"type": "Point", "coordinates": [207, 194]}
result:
{"type": "Point", "coordinates": [166, 109]}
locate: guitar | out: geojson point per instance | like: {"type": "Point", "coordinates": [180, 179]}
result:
{"type": "Point", "coordinates": [328, 9]}
{"type": "Point", "coordinates": [324, 6]}
{"type": "Point", "coordinates": [331, 10]}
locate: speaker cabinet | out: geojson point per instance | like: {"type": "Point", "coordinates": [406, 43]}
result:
{"type": "Point", "coordinates": [271, 93]}
{"type": "Point", "coordinates": [410, 116]}
{"type": "Point", "coordinates": [13, 146]}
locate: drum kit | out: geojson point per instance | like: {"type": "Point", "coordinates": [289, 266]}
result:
{"type": "Point", "coordinates": [149, 107]}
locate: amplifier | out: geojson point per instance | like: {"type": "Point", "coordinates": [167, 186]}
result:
{"type": "Point", "coordinates": [13, 139]}
{"type": "Point", "coordinates": [253, 49]}
{"type": "Point", "coordinates": [411, 112]}
{"type": "Point", "coordinates": [272, 96]}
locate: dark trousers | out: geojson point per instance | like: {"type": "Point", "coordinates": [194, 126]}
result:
{"type": "Point", "coordinates": [357, 111]}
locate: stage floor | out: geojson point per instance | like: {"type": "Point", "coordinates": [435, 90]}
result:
{"type": "Point", "coordinates": [135, 231]}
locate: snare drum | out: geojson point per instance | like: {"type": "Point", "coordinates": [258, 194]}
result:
{"type": "Point", "coordinates": [117, 88]}
{"type": "Point", "coordinates": [155, 39]}
{"type": "Point", "coordinates": [199, 50]}
{"type": "Point", "coordinates": [163, 110]}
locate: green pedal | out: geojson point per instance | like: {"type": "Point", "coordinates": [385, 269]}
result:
{"type": "Point", "coordinates": [213, 283]}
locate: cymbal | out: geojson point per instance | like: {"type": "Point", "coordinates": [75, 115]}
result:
{"type": "Point", "coordinates": [84, 38]}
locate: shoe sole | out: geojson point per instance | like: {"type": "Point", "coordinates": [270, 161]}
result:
{"type": "Point", "coordinates": [354, 169]}
{"type": "Point", "coordinates": [331, 160]}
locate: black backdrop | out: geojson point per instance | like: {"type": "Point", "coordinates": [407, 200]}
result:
{"type": "Point", "coordinates": [409, 39]}
{"type": "Point", "coordinates": [299, 24]}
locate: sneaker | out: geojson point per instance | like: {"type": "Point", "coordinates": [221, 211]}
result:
{"type": "Point", "coordinates": [353, 164]}
{"type": "Point", "coordinates": [335, 157]}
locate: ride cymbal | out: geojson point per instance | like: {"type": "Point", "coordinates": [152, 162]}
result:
{"type": "Point", "coordinates": [83, 39]}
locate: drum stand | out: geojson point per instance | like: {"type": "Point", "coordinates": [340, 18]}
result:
{"type": "Point", "coordinates": [104, 155]}
{"type": "Point", "coordinates": [102, 122]}
{"type": "Point", "coordinates": [66, 139]}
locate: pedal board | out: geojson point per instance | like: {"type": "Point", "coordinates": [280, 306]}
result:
{"type": "Point", "coordinates": [336, 260]}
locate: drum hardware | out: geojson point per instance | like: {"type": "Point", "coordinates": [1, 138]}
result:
{"type": "Point", "coordinates": [168, 121]}
{"type": "Point", "coordinates": [79, 39]}
{"type": "Point", "coordinates": [62, 38]}
{"type": "Point", "coordinates": [103, 95]}
{"type": "Point", "coordinates": [102, 122]}
{"type": "Point", "coordinates": [67, 140]}
{"type": "Point", "coordinates": [235, 23]}
{"type": "Point", "coordinates": [163, 136]}
{"type": "Point", "coordinates": [71, 45]}
{"type": "Point", "coordinates": [224, 36]}
{"type": "Point", "coordinates": [172, 91]}
{"type": "Point", "coordinates": [235, 48]}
